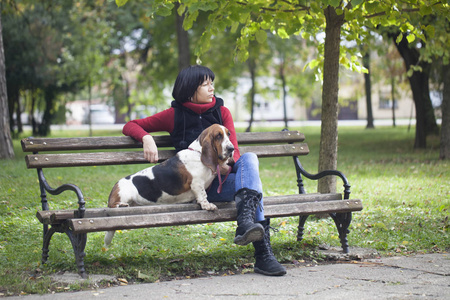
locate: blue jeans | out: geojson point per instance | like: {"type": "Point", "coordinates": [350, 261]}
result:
{"type": "Point", "coordinates": [245, 174]}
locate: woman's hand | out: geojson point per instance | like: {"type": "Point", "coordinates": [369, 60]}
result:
{"type": "Point", "coordinates": [150, 149]}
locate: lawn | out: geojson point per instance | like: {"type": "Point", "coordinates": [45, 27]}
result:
{"type": "Point", "coordinates": [405, 193]}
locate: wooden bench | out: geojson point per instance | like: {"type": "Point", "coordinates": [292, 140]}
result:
{"type": "Point", "coordinates": [81, 152]}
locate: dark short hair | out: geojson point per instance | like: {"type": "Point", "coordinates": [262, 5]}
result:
{"type": "Point", "coordinates": [188, 80]}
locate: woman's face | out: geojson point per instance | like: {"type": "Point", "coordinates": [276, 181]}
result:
{"type": "Point", "coordinates": [204, 93]}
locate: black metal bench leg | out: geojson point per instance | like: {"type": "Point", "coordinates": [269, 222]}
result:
{"type": "Point", "coordinates": [78, 245]}
{"type": "Point", "coordinates": [342, 221]}
{"type": "Point", "coordinates": [301, 227]}
{"type": "Point", "coordinates": [46, 243]}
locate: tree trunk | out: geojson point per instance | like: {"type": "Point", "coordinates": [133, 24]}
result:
{"type": "Point", "coordinates": [47, 118]}
{"type": "Point", "coordinates": [19, 116]}
{"type": "Point", "coordinates": [368, 88]}
{"type": "Point", "coordinates": [419, 82]}
{"type": "Point", "coordinates": [6, 146]}
{"type": "Point", "coordinates": [393, 99]}
{"type": "Point", "coordinates": [34, 124]}
{"type": "Point", "coordinates": [13, 106]}
{"type": "Point", "coordinates": [90, 106]}
{"type": "Point", "coordinates": [445, 127]}
{"type": "Point", "coordinates": [252, 68]}
{"type": "Point", "coordinates": [330, 106]}
{"type": "Point", "coordinates": [283, 82]}
{"type": "Point", "coordinates": [184, 54]}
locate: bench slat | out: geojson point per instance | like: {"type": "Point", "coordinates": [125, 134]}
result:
{"type": "Point", "coordinates": [137, 157]}
{"type": "Point", "coordinates": [125, 142]}
{"type": "Point", "coordinates": [90, 159]}
{"type": "Point", "coordinates": [198, 217]}
{"type": "Point", "coordinates": [88, 143]}
{"type": "Point", "coordinates": [270, 137]}
{"type": "Point", "coordinates": [58, 216]}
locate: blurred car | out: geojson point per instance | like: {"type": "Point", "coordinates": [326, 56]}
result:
{"type": "Point", "coordinates": [100, 114]}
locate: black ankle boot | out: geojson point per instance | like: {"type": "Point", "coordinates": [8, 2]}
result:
{"type": "Point", "coordinates": [246, 204]}
{"type": "Point", "coordinates": [266, 263]}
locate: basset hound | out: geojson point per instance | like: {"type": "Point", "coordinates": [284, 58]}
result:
{"type": "Point", "coordinates": [180, 179]}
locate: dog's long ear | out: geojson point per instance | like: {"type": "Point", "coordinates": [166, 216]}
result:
{"type": "Point", "coordinates": [209, 154]}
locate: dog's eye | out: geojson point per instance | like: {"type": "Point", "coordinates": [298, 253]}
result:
{"type": "Point", "coordinates": [219, 136]}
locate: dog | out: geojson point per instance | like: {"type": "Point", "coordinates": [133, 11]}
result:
{"type": "Point", "coordinates": [180, 179]}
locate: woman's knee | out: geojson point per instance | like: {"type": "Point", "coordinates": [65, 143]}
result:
{"type": "Point", "coordinates": [250, 157]}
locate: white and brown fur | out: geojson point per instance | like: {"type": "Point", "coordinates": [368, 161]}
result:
{"type": "Point", "coordinates": [180, 179]}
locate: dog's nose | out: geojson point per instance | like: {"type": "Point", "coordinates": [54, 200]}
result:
{"type": "Point", "coordinates": [230, 149]}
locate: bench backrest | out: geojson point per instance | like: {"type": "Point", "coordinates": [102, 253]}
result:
{"type": "Point", "coordinates": [76, 152]}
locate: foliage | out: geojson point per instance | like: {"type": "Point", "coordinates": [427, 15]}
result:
{"type": "Point", "coordinates": [61, 52]}
{"type": "Point", "coordinates": [405, 194]}
{"type": "Point", "coordinates": [289, 18]}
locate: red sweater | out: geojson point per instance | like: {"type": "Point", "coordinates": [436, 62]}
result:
{"type": "Point", "coordinates": [164, 121]}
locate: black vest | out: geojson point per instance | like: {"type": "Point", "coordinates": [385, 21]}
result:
{"type": "Point", "coordinates": [188, 125]}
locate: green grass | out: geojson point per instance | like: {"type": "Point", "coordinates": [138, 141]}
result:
{"type": "Point", "coordinates": [405, 193]}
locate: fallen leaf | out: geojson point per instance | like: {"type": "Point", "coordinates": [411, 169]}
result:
{"type": "Point", "coordinates": [142, 275]}
{"type": "Point", "coordinates": [123, 280]}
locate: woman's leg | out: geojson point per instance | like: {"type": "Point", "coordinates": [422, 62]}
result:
{"type": "Point", "coordinates": [244, 186]}
{"type": "Point", "coordinates": [245, 175]}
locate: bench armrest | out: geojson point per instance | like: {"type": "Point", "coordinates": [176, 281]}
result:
{"type": "Point", "coordinates": [302, 171]}
{"type": "Point", "coordinates": [65, 187]}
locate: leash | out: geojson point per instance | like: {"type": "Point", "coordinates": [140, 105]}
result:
{"type": "Point", "coordinates": [219, 189]}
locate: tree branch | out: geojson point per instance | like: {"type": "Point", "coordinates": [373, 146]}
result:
{"type": "Point", "coordinates": [302, 7]}
{"type": "Point", "coordinates": [406, 10]}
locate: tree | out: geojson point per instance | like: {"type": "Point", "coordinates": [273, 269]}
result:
{"type": "Point", "coordinates": [395, 69]}
{"type": "Point", "coordinates": [6, 147]}
{"type": "Point", "coordinates": [53, 38]}
{"type": "Point", "coordinates": [288, 18]}
{"type": "Point", "coordinates": [257, 64]}
{"type": "Point", "coordinates": [23, 68]}
{"type": "Point", "coordinates": [445, 129]}
{"type": "Point", "coordinates": [419, 82]}
{"type": "Point", "coordinates": [184, 53]}
{"type": "Point", "coordinates": [287, 60]}
{"type": "Point", "coordinates": [368, 89]}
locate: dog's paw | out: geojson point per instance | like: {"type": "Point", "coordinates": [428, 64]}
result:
{"type": "Point", "coordinates": [208, 206]}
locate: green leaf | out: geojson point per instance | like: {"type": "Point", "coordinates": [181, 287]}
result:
{"type": "Point", "coordinates": [243, 17]}
{"type": "Point", "coordinates": [202, 5]}
{"type": "Point", "coordinates": [410, 37]}
{"type": "Point", "coordinates": [345, 62]}
{"type": "Point", "coordinates": [261, 36]}
{"type": "Point", "coordinates": [410, 72]}
{"type": "Point", "coordinates": [242, 55]}
{"type": "Point", "coordinates": [234, 27]}
{"type": "Point", "coordinates": [189, 20]}
{"type": "Point", "coordinates": [165, 10]}
{"type": "Point", "coordinates": [120, 3]}
{"type": "Point", "coordinates": [356, 2]}
{"type": "Point", "coordinates": [312, 64]}
{"type": "Point", "coordinates": [282, 33]}
{"type": "Point", "coordinates": [335, 3]}
{"type": "Point", "coordinates": [399, 38]}
{"type": "Point", "coordinates": [371, 7]}
{"type": "Point", "coordinates": [430, 31]}
{"type": "Point", "coordinates": [181, 9]}
{"type": "Point", "coordinates": [425, 10]}
{"type": "Point", "coordinates": [265, 25]}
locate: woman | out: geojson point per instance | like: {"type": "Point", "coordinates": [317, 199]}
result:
{"type": "Point", "coordinates": [194, 109]}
